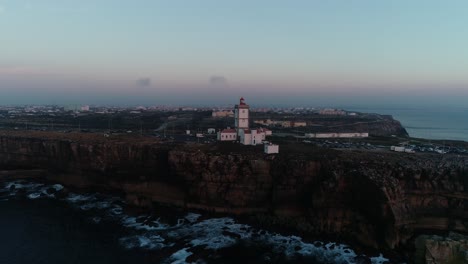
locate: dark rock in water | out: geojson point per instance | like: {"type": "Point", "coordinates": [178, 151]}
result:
{"type": "Point", "coordinates": [51, 191]}
{"type": "Point", "coordinates": [297, 248]}
{"type": "Point", "coordinates": [62, 193]}
{"type": "Point", "coordinates": [21, 191]}
{"type": "Point", "coordinates": [362, 260]}
{"type": "Point", "coordinates": [12, 187]}
{"type": "Point", "coordinates": [231, 234]}
{"type": "Point", "coordinates": [198, 253]}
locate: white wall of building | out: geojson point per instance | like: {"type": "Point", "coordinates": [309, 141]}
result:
{"type": "Point", "coordinates": [251, 137]}
{"type": "Point", "coordinates": [227, 136]}
{"type": "Point", "coordinates": [271, 148]}
{"type": "Point", "coordinates": [241, 116]}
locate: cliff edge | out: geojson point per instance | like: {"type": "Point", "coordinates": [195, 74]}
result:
{"type": "Point", "coordinates": [378, 198]}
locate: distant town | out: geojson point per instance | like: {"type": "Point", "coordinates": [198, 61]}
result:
{"type": "Point", "coordinates": [240, 124]}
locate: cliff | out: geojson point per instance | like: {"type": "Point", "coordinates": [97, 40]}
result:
{"type": "Point", "coordinates": [450, 249]}
{"type": "Point", "coordinates": [380, 199]}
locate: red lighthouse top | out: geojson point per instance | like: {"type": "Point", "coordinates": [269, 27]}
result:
{"type": "Point", "coordinates": [242, 101]}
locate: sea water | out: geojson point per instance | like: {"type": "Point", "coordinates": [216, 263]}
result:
{"type": "Point", "coordinates": [40, 223]}
{"type": "Point", "coordinates": [436, 122]}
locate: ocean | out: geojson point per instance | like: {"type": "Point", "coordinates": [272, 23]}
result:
{"type": "Point", "coordinates": [43, 223]}
{"type": "Point", "coordinates": [448, 122]}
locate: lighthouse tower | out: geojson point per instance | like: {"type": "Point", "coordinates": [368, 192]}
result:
{"type": "Point", "coordinates": [241, 116]}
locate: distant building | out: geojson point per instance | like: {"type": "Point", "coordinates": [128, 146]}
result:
{"type": "Point", "coordinates": [402, 149]}
{"type": "Point", "coordinates": [222, 113]}
{"type": "Point", "coordinates": [282, 123]}
{"type": "Point", "coordinates": [270, 148]}
{"type": "Point", "coordinates": [337, 135]}
{"type": "Point", "coordinates": [85, 108]}
{"type": "Point", "coordinates": [266, 131]}
{"type": "Point", "coordinates": [211, 131]}
{"type": "Point", "coordinates": [330, 111]}
{"type": "Point", "coordinates": [298, 124]}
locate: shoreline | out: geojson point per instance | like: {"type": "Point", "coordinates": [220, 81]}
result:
{"type": "Point", "coordinates": [166, 212]}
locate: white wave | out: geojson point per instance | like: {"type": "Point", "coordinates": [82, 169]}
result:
{"type": "Point", "coordinates": [116, 210]}
{"type": "Point", "coordinates": [215, 233]}
{"type": "Point", "coordinates": [192, 217]}
{"type": "Point", "coordinates": [180, 256]}
{"type": "Point", "coordinates": [211, 233]}
{"type": "Point", "coordinates": [34, 195]}
{"type": "Point", "coordinates": [22, 185]}
{"type": "Point", "coordinates": [219, 233]}
{"type": "Point", "coordinates": [379, 260]}
{"type": "Point", "coordinates": [76, 198]}
{"type": "Point", "coordinates": [144, 241]}
{"type": "Point", "coordinates": [96, 205]}
{"type": "Point", "coordinates": [131, 222]}
{"type": "Point", "coordinates": [57, 187]}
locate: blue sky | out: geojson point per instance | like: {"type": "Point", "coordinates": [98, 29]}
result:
{"type": "Point", "coordinates": [91, 50]}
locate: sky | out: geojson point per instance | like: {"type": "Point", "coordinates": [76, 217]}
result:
{"type": "Point", "coordinates": [192, 52]}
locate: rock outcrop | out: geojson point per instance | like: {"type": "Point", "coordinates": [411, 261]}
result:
{"type": "Point", "coordinates": [377, 198]}
{"type": "Point", "coordinates": [451, 249]}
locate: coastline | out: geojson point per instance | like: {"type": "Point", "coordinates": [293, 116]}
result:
{"type": "Point", "coordinates": [426, 122]}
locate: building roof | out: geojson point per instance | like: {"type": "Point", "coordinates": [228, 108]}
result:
{"type": "Point", "coordinates": [241, 101]}
{"type": "Point", "coordinates": [263, 130]}
{"type": "Point", "coordinates": [247, 131]}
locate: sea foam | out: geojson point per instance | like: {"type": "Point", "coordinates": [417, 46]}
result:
{"type": "Point", "coordinates": [150, 233]}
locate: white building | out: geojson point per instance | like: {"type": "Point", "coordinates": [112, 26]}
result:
{"type": "Point", "coordinates": [337, 135]}
{"type": "Point", "coordinates": [211, 131]}
{"type": "Point", "coordinates": [242, 131]}
{"type": "Point", "coordinates": [85, 108]}
{"type": "Point", "coordinates": [282, 123]}
{"type": "Point", "coordinates": [251, 137]}
{"type": "Point", "coordinates": [266, 131]}
{"type": "Point", "coordinates": [227, 135]}
{"type": "Point", "coordinates": [241, 116]}
{"type": "Point", "coordinates": [269, 148]}
{"type": "Point", "coordinates": [402, 149]}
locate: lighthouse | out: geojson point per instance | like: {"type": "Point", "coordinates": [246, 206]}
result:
{"type": "Point", "coordinates": [241, 116]}
{"type": "Point", "coordinates": [242, 132]}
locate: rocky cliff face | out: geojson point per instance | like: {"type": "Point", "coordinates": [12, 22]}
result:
{"type": "Point", "coordinates": [451, 249]}
{"type": "Point", "coordinates": [377, 198]}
